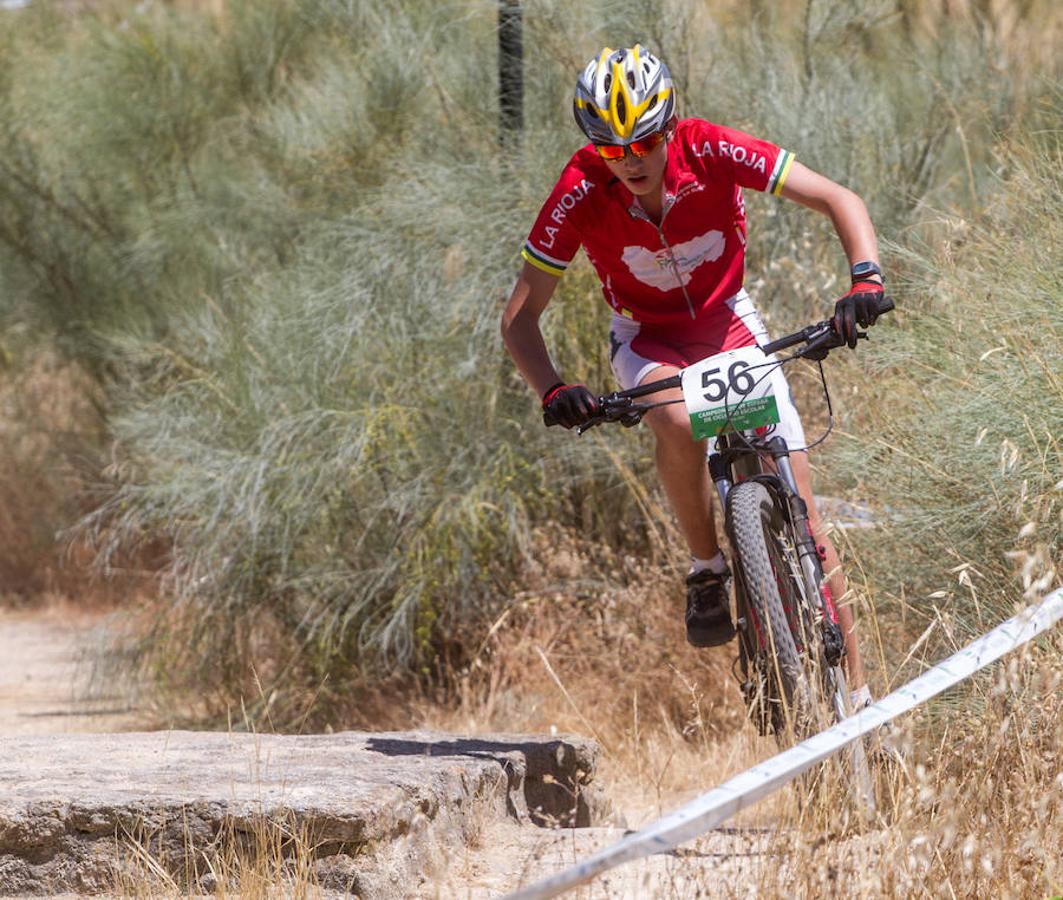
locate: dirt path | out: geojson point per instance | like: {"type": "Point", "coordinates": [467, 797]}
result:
{"type": "Point", "coordinates": [508, 856]}
{"type": "Point", "coordinates": [44, 681]}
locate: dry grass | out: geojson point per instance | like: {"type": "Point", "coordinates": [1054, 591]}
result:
{"type": "Point", "coordinates": [976, 809]}
{"type": "Point", "coordinates": [608, 660]}
{"type": "Point", "coordinates": [976, 812]}
{"type": "Point", "coordinates": [52, 432]}
{"type": "Point", "coordinates": [980, 813]}
{"type": "Point", "coordinates": [273, 858]}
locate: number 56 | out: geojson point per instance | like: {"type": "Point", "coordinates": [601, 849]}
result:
{"type": "Point", "coordinates": [737, 377]}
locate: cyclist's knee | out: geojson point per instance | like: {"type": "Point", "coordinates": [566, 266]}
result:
{"type": "Point", "coordinates": [671, 425]}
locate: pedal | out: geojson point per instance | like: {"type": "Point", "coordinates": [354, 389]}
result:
{"type": "Point", "coordinates": [833, 643]}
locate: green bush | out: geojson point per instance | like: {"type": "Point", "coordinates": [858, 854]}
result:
{"type": "Point", "coordinates": [283, 237]}
{"type": "Point", "coordinates": [955, 439]}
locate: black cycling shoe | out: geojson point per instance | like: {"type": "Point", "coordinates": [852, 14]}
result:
{"type": "Point", "coordinates": [708, 609]}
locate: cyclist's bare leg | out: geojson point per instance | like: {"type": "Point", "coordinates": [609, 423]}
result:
{"type": "Point", "coordinates": [682, 470]}
{"type": "Point", "coordinates": [854, 665]}
{"type": "Point", "coordinates": [684, 476]}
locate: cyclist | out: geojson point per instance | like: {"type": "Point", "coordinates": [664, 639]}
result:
{"type": "Point", "coordinates": [656, 202]}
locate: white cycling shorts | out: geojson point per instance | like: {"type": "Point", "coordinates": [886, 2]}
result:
{"type": "Point", "coordinates": [637, 348]}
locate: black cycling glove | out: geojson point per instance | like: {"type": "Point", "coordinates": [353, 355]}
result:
{"type": "Point", "coordinates": [857, 308]}
{"type": "Point", "coordinates": [569, 404]}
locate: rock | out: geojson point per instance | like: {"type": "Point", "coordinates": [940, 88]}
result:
{"type": "Point", "coordinates": [366, 812]}
{"type": "Point", "coordinates": [846, 514]}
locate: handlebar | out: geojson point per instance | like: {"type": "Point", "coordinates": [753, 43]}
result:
{"type": "Point", "coordinates": [619, 406]}
{"type": "Point", "coordinates": [812, 332]}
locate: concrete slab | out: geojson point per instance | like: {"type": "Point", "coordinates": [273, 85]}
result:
{"type": "Point", "coordinates": [374, 811]}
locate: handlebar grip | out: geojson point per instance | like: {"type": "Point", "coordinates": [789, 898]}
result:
{"type": "Point", "coordinates": [783, 342]}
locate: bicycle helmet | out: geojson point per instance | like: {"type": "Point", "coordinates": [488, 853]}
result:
{"type": "Point", "coordinates": [623, 96]}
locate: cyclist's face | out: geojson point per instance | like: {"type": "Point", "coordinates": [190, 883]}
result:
{"type": "Point", "coordinates": [642, 175]}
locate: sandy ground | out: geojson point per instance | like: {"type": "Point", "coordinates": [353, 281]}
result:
{"type": "Point", "coordinates": [44, 679]}
{"type": "Point", "coordinates": [721, 864]}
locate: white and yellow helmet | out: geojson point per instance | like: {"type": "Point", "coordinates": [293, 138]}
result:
{"type": "Point", "coordinates": [623, 96]}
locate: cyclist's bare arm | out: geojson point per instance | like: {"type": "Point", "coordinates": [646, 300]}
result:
{"type": "Point", "coordinates": [520, 328]}
{"type": "Point", "coordinates": [845, 209]}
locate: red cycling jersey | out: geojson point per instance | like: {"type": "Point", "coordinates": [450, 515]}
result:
{"type": "Point", "coordinates": [689, 263]}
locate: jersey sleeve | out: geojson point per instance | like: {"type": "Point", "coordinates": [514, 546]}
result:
{"type": "Point", "coordinates": [554, 238]}
{"type": "Point", "coordinates": [749, 161]}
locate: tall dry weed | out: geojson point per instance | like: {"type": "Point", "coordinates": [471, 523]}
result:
{"type": "Point", "coordinates": [955, 439]}
{"type": "Point", "coordinates": [51, 432]}
{"type": "Point", "coordinates": [977, 813]}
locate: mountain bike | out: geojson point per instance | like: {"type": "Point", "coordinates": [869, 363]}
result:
{"type": "Point", "coordinates": [790, 646]}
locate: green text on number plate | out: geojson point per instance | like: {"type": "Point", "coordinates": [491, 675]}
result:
{"type": "Point", "coordinates": [734, 386]}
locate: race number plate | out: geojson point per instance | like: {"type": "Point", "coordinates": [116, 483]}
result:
{"type": "Point", "coordinates": [734, 390]}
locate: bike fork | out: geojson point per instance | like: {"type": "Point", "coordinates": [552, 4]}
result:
{"type": "Point", "coordinates": [833, 642]}
{"type": "Point", "coordinates": [721, 478]}
{"type": "Point", "coordinates": [808, 554]}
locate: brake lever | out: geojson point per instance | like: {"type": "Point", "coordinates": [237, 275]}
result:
{"type": "Point", "coordinates": [615, 411]}
{"type": "Point", "coordinates": [818, 348]}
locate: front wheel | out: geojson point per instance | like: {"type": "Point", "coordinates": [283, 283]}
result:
{"type": "Point", "coordinates": [772, 610]}
{"type": "Point", "coordinates": [794, 692]}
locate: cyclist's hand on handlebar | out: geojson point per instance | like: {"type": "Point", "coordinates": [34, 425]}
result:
{"type": "Point", "coordinates": [857, 309]}
{"type": "Point", "coordinates": [569, 404]}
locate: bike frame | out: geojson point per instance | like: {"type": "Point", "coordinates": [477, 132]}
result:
{"type": "Point", "coordinates": [742, 456]}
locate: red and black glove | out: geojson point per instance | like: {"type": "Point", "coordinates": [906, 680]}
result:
{"type": "Point", "coordinates": [569, 404]}
{"type": "Point", "coordinates": [857, 308]}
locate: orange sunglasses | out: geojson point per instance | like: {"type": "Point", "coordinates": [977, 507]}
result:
{"type": "Point", "coordinates": [616, 152]}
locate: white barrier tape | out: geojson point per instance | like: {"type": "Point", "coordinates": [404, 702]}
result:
{"type": "Point", "coordinates": [719, 804]}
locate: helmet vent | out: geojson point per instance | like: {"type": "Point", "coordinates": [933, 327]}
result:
{"type": "Point", "coordinates": [621, 95]}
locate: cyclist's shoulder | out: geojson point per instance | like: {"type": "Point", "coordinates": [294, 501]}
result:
{"type": "Point", "coordinates": [694, 133]}
{"type": "Point", "coordinates": [583, 172]}
{"type": "Point", "coordinates": [700, 142]}
{"type": "Point", "coordinates": [584, 163]}
{"type": "Point", "coordinates": [721, 151]}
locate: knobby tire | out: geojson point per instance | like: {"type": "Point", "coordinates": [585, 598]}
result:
{"type": "Point", "coordinates": [799, 683]}
{"type": "Point", "coordinates": [754, 522]}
